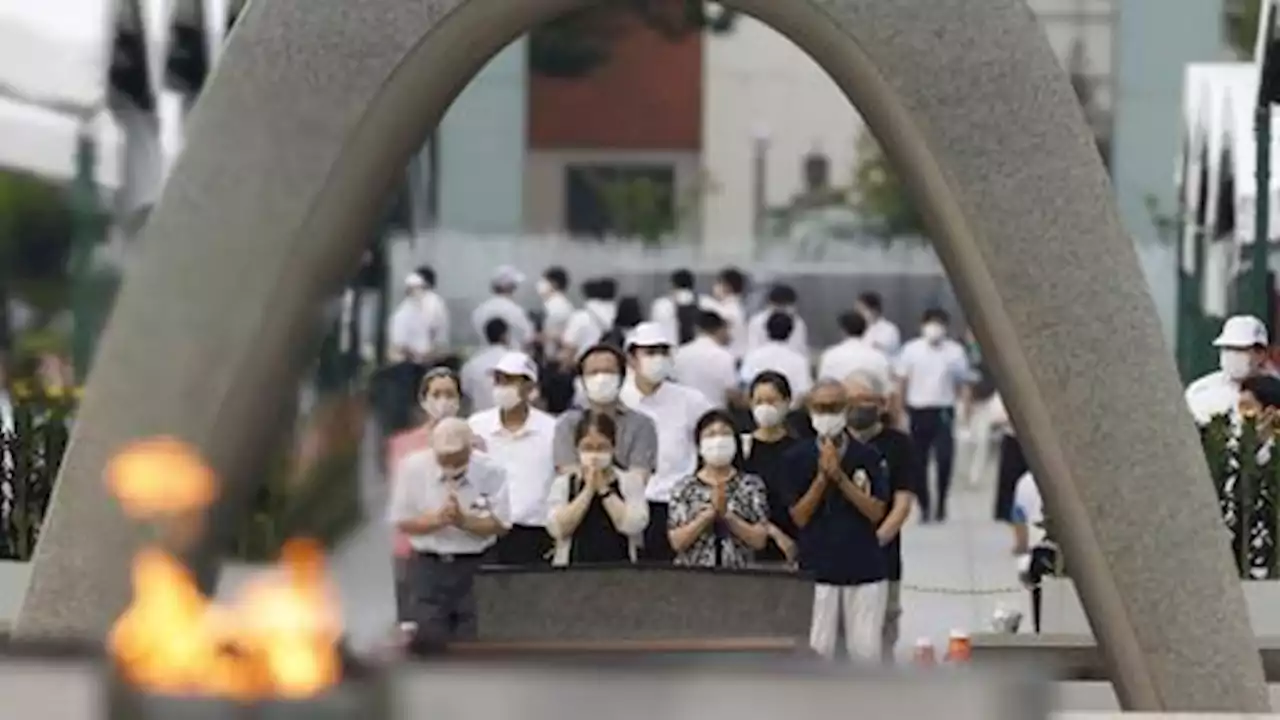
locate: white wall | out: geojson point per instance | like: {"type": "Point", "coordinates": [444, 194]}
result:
{"type": "Point", "coordinates": [756, 78]}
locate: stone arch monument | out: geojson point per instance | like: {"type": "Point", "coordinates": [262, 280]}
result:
{"type": "Point", "coordinates": [317, 104]}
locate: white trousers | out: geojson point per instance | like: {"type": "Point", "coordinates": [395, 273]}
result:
{"type": "Point", "coordinates": [862, 608]}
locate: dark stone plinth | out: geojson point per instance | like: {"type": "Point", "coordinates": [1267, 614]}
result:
{"type": "Point", "coordinates": [640, 603]}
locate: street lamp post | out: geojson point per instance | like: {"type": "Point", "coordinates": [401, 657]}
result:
{"type": "Point", "coordinates": [87, 223]}
{"type": "Point", "coordinates": [760, 161]}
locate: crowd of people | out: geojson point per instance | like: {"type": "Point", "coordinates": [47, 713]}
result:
{"type": "Point", "coordinates": [698, 435]}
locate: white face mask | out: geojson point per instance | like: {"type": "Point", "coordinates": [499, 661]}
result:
{"type": "Point", "coordinates": [1235, 364]}
{"type": "Point", "coordinates": [601, 388]}
{"type": "Point", "coordinates": [717, 450]}
{"type": "Point", "coordinates": [439, 408]}
{"type": "Point", "coordinates": [683, 297]}
{"type": "Point", "coordinates": [506, 396]}
{"type": "Point", "coordinates": [933, 332]}
{"type": "Point", "coordinates": [654, 368]}
{"type": "Point", "coordinates": [544, 288]}
{"type": "Point", "coordinates": [767, 415]}
{"type": "Point", "coordinates": [828, 424]}
{"type": "Point", "coordinates": [595, 460]}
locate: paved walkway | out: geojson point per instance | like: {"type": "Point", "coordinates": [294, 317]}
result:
{"type": "Point", "coordinates": [952, 572]}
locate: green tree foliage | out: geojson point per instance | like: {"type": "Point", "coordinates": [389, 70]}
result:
{"type": "Point", "coordinates": [878, 194]}
{"type": "Point", "coordinates": [35, 244]}
{"type": "Point", "coordinates": [576, 43]}
{"type": "Point", "coordinates": [638, 207]}
{"type": "Point", "coordinates": [1241, 25]}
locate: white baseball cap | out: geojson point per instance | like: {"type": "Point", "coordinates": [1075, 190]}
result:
{"type": "Point", "coordinates": [507, 275]}
{"type": "Point", "coordinates": [648, 334]}
{"type": "Point", "coordinates": [1242, 331]}
{"type": "Point", "coordinates": [517, 364]}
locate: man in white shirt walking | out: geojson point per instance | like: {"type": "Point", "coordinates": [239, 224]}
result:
{"type": "Point", "coordinates": [782, 298]}
{"type": "Point", "coordinates": [933, 371]}
{"type": "Point", "coordinates": [435, 311]}
{"type": "Point", "coordinates": [854, 354]}
{"type": "Point", "coordinates": [778, 356]}
{"type": "Point", "coordinates": [881, 333]}
{"type": "Point", "coordinates": [556, 308]}
{"type": "Point", "coordinates": [677, 310]}
{"type": "Point", "coordinates": [590, 322]}
{"type": "Point", "coordinates": [409, 334]}
{"type": "Point", "coordinates": [1242, 353]}
{"type": "Point", "coordinates": [675, 410]}
{"type": "Point", "coordinates": [726, 300]}
{"type": "Point", "coordinates": [453, 506]}
{"type": "Point", "coordinates": [519, 437]}
{"type": "Point", "coordinates": [476, 376]}
{"type": "Point", "coordinates": [501, 304]}
{"type": "Point", "coordinates": [706, 365]}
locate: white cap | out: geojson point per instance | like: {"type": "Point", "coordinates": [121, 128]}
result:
{"type": "Point", "coordinates": [648, 334]}
{"type": "Point", "coordinates": [450, 435]}
{"type": "Point", "coordinates": [507, 275]}
{"type": "Point", "coordinates": [959, 635]}
{"type": "Point", "coordinates": [518, 364]}
{"type": "Point", "coordinates": [1242, 331]}
{"type": "Point", "coordinates": [414, 280]}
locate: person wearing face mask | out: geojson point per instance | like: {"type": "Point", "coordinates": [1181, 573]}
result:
{"type": "Point", "coordinates": [674, 408]}
{"type": "Point", "coordinates": [453, 505]}
{"type": "Point", "coordinates": [502, 304]}
{"type": "Point", "coordinates": [719, 514]}
{"type": "Point", "coordinates": [596, 511]}
{"type": "Point", "coordinates": [477, 371]}
{"type": "Point", "coordinates": [765, 450]}
{"type": "Point", "coordinates": [677, 311]}
{"type": "Point", "coordinates": [600, 373]}
{"type": "Point", "coordinates": [1242, 353]}
{"type": "Point", "coordinates": [838, 496]}
{"type": "Point", "coordinates": [439, 397]}
{"type": "Point", "coordinates": [868, 406]}
{"type": "Point", "coordinates": [518, 437]}
{"type": "Point", "coordinates": [933, 372]}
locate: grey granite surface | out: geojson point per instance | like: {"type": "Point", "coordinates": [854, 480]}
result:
{"type": "Point", "coordinates": [307, 124]}
{"type": "Point", "coordinates": [640, 604]}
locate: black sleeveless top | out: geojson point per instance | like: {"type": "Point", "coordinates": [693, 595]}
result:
{"type": "Point", "coordinates": [596, 540]}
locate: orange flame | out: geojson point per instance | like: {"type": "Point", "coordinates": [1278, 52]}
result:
{"type": "Point", "coordinates": [279, 639]}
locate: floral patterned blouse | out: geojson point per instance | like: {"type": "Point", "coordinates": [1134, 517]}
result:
{"type": "Point", "coordinates": [718, 547]}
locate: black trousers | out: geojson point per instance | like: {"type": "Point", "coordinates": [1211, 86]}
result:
{"type": "Point", "coordinates": [442, 597]}
{"type": "Point", "coordinates": [523, 545]}
{"type": "Point", "coordinates": [1012, 466]}
{"type": "Point", "coordinates": [657, 544]}
{"type": "Point", "coordinates": [931, 430]}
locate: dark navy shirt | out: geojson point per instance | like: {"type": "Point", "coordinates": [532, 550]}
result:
{"type": "Point", "coordinates": [906, 473]}
{"type": "Point", "coordinates": [838, 546]}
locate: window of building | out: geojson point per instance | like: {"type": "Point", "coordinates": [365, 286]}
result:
{"type": "Point", "coordinates": [633, 201]}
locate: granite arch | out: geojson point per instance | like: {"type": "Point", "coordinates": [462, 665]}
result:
{"type": "Point", "coordinates": [316, 105]}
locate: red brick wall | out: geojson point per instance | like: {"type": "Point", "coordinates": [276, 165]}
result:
{"type": "Point", "coordinates": [647, 97]}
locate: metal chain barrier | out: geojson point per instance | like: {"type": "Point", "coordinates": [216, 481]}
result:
{"type": "Point", "coordinates": [941, 590]}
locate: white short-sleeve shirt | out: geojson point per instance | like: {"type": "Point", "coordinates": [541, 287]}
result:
{"type": "Point", "coordinates": [409, 328]}
{"type": "Point", "coordinates": [526, 456]}
{"type": "Point", "coordinates": [519, 329]}
{"type": "Point", "coordinates": [675, 410]}
{"type": "Point", "coordinates": [884, 336]}
{"type": "Point", "coordinates": [780, 358]}
{"type": "Point", "coordinates": [1212, 395]}
{"type": "Point", "coordinates": [420, 487]}
{"type": "Point", "coordinates": [854, 355]}
{"type": "Point", "coordinates": [708, 367]}
{"type": "Point", "coordinates": [476, 376]}
{"type": "Point", "coordinates": [934, 372]}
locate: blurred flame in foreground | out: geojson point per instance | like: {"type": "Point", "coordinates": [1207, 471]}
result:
{"type": "Point", "coordinates": [278, 639]}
